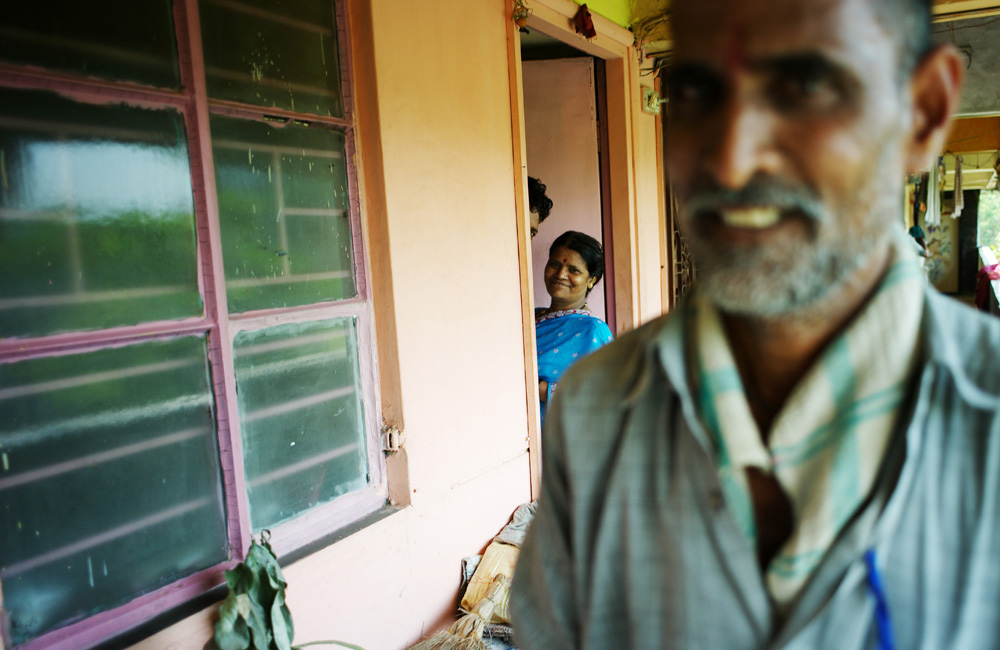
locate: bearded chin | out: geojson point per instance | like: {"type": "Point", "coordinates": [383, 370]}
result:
{"type": "Point", "coordinates": [778, 281]}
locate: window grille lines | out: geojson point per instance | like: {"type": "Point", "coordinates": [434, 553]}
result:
{"type": "Point", "coordinates": [107, 536]}
{"type": "Point", "coordinates": [85, 130]}
{"type": "Point", "coordinates": [296, 405]}
{"type": "Point", "coordinates": [301, 466]}
{"type": "Point", "coordinates": [284, 344]}
{"type": "Point", "coordinates": [109, 419]}
{"type": "Point", "coordinates": [91, 460]}
{"type": "Point", "coordinates": [270, 16]}
{"type": "Point", "coordinates": [26, 390]}
{"type": "Point", "coordinates": [83, 297]}
{"type": "Point", "coordinates": [257, 371]}
{"type": "Point", "coordinates": [220, 143]}
{"type": "Point", "coordinates": [62, 43]}
{"type": "Point", "coordinates": [281, 84]}
{"type": "Point", "coordinates": [286, 279]}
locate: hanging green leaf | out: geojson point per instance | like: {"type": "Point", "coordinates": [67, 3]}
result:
{"type": "Point", "coordinates": [231, 632]}
{"type": "Point", "coordinates": [254, 616]}
{"type": "Point", "coordinates": [281, 623]}
{"type": "Point", "coordinates": [255, 586]}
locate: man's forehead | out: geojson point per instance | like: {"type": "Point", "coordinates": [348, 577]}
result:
{"type": "Point", "coordinates": [735, 30]}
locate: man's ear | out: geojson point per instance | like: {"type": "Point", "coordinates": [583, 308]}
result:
{"type": "Point", "coordinates": [935, 87]}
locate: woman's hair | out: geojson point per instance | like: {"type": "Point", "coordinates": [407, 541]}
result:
{"type": "Point", "coordinates": [537, 201]}
{"type": "Point", "coordinates": [587, 247]}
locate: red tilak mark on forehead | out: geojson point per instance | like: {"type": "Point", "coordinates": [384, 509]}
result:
{"type": "Point", "coordinates": [735, 52]}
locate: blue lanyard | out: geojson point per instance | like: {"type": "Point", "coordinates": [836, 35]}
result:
{"type": "Point", "coordinates": [885, 638]}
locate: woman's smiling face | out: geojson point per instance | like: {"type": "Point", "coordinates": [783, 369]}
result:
{"type": "Point", "coordinates": [566, 278]}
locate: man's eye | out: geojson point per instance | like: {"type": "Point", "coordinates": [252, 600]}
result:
{"type": "Point", "coordinates": [687, 88]}
{"type": "Point", "coordinates": [806, 85]}
{"type": "Point", "coordinates": [815, 90]}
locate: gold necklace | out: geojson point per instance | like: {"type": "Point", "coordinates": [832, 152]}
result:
{"type": "Point", "coordinates": [549, 310]}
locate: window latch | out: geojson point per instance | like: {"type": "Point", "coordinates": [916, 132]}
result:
{"type": "Point", "coordinates": [392, 439]}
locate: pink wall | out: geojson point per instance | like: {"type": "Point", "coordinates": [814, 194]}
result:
{"type": "Point", "coordinates": [444, 238]}
{"type": "Point", "coordinates": [444, 109]}
{"type": "Point", "coordinates": [560, 122]}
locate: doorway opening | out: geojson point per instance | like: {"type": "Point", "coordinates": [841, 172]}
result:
{"type": "Point", "coordinates": [565, 130]}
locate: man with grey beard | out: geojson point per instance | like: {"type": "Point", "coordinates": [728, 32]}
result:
{"type": "Point", "coordinates": [806, 452]}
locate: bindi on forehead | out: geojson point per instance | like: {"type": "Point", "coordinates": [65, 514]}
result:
{"type": "Point", "coordinates": [736, 51]}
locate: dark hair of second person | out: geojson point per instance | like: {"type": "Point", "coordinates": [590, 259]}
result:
{"type": "Point", "coordinates": [539, 205]}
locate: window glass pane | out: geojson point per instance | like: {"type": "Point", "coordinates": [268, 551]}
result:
{"type": "Point", "coordinates": [301, 417]}
{"type": "Point", "coordinates": [96, 216]}
{"type": "Point", "coordinates": [113, 39]}
{"type": "Point", "coordinates": [109, 479]}
{"type": "Point", "coordinates": [279, 53]}
{"type": "Point", "coordinates": [283, 212]}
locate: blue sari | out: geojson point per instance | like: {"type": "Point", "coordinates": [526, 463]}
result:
{"type": "Point", "coordinates": [563, 337]}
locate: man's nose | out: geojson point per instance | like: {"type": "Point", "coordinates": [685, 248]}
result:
{"type": "Point", "coordinates": [742, 144]}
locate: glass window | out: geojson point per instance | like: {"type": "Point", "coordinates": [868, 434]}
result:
{"type": "Point", "coordinates": [301, 417]}
{"type": "Point", "coordinates": [280, 53]}
{"type": "Point", "coordinates": [120, 287]}
{"type": "Point", "coordinates": [111, 39]}
{"type": "Point", "coordinates": [284, 214]}
{"type": "Point", "coordinates": [96, 216]}
{"type": "Point", "coordinates": [109, 476]}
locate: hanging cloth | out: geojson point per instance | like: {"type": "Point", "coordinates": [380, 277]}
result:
{"type": "Point", "coordinates": [933, 215]}
{"type": "Point", "coordinates": [959, 196]}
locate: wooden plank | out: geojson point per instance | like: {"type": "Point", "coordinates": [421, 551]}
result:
{"type": "Point", "coordinates": [371, 181]}
{"type": "Point", "coordinates": [521, 205]}
{"type": "Point", "coordinates": [623, 217]}
{"type": "Point", "coordinates": [945, 10]}
{"type": "Point", "coordinates": [970, 134]}
{"type": "Point", "coordinates": [666, 277]}
{"type": "Point", "coordinates": [555, 18]}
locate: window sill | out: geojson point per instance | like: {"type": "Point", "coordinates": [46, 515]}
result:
{"type": "Point", "coordinates": [176, 614]}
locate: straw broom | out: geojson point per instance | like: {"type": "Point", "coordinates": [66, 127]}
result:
{"type": "Point", "coordinates": [467, 632]}
{"type": "Point", "coordinates": [500, 557]}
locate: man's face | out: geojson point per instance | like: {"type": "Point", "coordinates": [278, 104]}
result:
{"type": "Point", "coordinates": [786, 139]}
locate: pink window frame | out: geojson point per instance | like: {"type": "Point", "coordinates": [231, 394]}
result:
{"type": "Point", "coordinates": [220, 326]}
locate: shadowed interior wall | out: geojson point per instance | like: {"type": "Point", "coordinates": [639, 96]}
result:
{"type": "Point", "coordinates": [560, 122]}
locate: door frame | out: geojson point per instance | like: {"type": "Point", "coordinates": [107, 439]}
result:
{"type": "Point", "coordinates": [614, 46]}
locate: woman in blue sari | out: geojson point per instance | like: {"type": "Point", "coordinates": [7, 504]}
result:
{"type": "Point", "coordinates": [567, 330]}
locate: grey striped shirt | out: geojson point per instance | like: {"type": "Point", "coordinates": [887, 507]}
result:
{"type": "Point", "coordinates": [633, 545]}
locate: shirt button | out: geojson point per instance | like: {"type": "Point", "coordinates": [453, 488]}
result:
{"type": "Point", "coordinates": [715, 500]}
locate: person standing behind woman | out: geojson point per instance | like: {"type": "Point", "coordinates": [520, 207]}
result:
{"type": "Point", "coordinates": [539, 204]}
{"type": "Point", "coordinates": [567, 331]}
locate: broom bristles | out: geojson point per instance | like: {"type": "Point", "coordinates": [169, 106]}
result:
{"type": "Point", "coordinates": [467, 632]}
{"type": "Point", "coordinates": [500, 558]}
{"type": "Point", "coordinates": [445, 640]}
